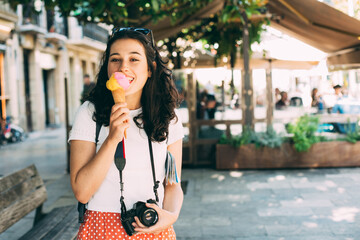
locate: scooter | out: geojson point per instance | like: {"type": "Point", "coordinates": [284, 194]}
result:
{"type": "Point", "coordinates": [12, 133]}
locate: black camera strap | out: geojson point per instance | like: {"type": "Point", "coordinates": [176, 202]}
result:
{"type": "Point", "coordinates": [120, 162]}
{"type": "Point", "coordinates": [156, 183]}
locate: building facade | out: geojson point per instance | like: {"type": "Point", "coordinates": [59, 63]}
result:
{"type": "Point", "coordinates": [40, 52]}
{"type": "Point", "coordinates": [8, 20]}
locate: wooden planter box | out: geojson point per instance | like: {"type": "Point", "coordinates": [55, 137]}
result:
{"type": "Point", "coordinates": [323, 154]}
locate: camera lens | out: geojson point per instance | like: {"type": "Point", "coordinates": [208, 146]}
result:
{"type": "Point", "coordinates": [149, 217]}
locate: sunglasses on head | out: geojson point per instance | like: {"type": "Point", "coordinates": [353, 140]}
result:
{"type": "Point", "coordinates": [145, 31]}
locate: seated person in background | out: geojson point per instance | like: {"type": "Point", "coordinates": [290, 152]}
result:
{"type": "Point", "coordinates": [316, 99]}
{"type": "Point", "coordinates": [282, 103]}
{"type": "Point", "coordinates": [277, 94]}
{"type": "Point", "coordinates": [338, 93]}
{"type": "Point", "coordinates": [211, 106]}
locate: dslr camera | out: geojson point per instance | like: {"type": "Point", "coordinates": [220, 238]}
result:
{"type": "Point", "coordinates": [147, 216]}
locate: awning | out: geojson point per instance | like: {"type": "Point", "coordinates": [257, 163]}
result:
{"type": "Point", "coordinates": [320, 26]}
{"type": "Point", "coordinates": [164, 28]}
{"type": "Point", "coordinates": [310, 21]}
{"type": "Point", "coordinates": [205, 60]}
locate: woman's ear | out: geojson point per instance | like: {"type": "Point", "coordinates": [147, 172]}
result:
{"type": "Point", "coordinates": [149, 72]}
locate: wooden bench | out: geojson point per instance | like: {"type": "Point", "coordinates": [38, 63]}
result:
{"type": "Point", "coordinates": [24, 191]}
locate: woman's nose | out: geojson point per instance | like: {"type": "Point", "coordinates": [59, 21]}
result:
{"type": "Point", "coordinates": [123, 66]}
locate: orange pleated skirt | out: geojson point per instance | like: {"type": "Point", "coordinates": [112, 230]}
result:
{"type": "Point", "coordinates": [107, 225]}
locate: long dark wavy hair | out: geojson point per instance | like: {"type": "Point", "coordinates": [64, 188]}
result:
{"type": "Point", "coordinates": [159, 96]}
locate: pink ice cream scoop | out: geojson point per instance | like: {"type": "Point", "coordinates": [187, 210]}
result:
{"type": "Point", "coordinates": [122, 80]}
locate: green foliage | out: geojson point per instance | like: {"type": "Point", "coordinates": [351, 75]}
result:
{"type": "Point", "coordinates": [225, 28]}
{"type": "Point", "coordinates": [270, 138]}
{"type": "Point", "coordinates": [238, 140]}
{"type": "Point", "coordinates": [352, 135]}
{"type": "Point", "coordinates": [122, 13]}
{"type": "Point", "coordinates": [304, 133]}
{"type": "Point", "coordinates": [261, 139]}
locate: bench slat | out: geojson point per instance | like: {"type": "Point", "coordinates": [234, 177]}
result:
{"type": "Point", "coordinates": [15, 212]}
{"type": "Point", "coordinates": [67, 229]}
{"type": "Point", "coordinates": [60, 224]}
{"type": "Point", "coordinates": [11, 180]}
{"type": "Point", "coordinates": [19, 191]}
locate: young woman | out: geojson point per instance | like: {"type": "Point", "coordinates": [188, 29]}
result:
{"type": "Point", "coordinates": [149, 111]}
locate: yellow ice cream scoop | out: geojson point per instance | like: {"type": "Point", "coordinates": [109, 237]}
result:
{"type": "Point", "coordinates": [116, 81]}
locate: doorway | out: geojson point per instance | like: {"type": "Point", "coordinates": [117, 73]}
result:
{"type": "Point", "coordinates": [45, 74]}
{"type": "Point", "coordinates": [29, 123]}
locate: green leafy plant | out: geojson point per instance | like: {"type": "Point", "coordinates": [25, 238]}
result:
{"type": "Point", "coordinates": [270, 138]}
{"type": "Point", "coordinates": [352, 134]}
{"type": "Point", "coordinates": [238, 140]}
{"type": "Point", "coordinates": [304, 133]}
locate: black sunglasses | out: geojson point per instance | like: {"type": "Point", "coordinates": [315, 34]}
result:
{"type": "Point", "coordinates": [145, 31]}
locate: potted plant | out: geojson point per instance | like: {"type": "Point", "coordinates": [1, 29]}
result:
{"type": "Point", "coordinates": [301, 148]}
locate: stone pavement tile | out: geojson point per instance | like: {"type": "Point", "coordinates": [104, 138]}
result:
{"type": "Point", "coordinates": [284, 211]}
{"type": "Point", "coordinates": [193, 232]}
{"type": "Point", "coordinates": [221, 198]}
{"type": "Point", "coordinates": [205, 238]}
{"type": "Point", "coordinates": [313, 237]}
{"type": "Point", "coordinates": [253, 238]}
{"type": "Point", "coordinates": [268, 185]}
{"type": "Point", "coordinates": [285, 195]}
{"type": "Point", "coordinates": [313, 203]}
{"type": "Point", "coordinates": [343, 179]}
{"type": "Point", "coordinates": [319, 185]}
{"type": "Point", "coordinates": [235, 230]}
{"type": "Point", "coordinates": [345, 228]}
{"type": "Point", "coordinates": [353, 191]}
{"type": "Point", "coordinates": [227, 186]}
{"type": "Point", "coordinates": [66, 200]}
{"type": "Point", "coordinates": [212, 221]}
{"type": "Point", "coordinates": [339, 194]}
{"type": "Point", "coordinates": [19, 228]}
{"type": "Point", "coordinates": [302, 228]}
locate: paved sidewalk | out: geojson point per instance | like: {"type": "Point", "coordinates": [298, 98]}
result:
{"type": "Point", "coordinates": [319, 204]}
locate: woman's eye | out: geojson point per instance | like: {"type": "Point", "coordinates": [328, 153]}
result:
{"type": "Point", "coordinates": [134, 60]}
{"type": "Point", "coordinates": [115, 60]}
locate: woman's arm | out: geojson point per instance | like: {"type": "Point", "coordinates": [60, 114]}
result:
{"type": "Point", "coordinates": [88, 169]}
{"type": "Point", "coordinates": [173, 199]}
{"type": "Point", "coordinates": [173, 196]}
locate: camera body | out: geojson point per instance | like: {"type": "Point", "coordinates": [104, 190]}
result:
{"type": "Point", "coordinates": [147, 216]}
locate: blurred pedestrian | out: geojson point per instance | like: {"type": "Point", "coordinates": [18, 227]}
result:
{"type": "Point", "coordinates": [88, 87]}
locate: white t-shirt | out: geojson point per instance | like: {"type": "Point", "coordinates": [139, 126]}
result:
{"type": "Point", "coordinates": [137, 174]}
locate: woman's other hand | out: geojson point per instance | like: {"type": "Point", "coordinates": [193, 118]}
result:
{"type": "Point", "coordinates": [166, 220]}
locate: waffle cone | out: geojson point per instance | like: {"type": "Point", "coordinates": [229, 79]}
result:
{"type": "Point", "coordinates": [119, 95]}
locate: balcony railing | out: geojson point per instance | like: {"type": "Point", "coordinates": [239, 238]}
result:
{"type": "Point", "coordinates": [29, 17]}
{"type": "Point", "coordinates": [93, 31]}
{"type": "Point", "coordinates": [7, 13]}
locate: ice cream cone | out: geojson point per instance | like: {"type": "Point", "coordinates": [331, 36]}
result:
{"type": "Point", "coordinates": [118, 95]}
{"type": "Point", "coordinates": [117, 85]}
